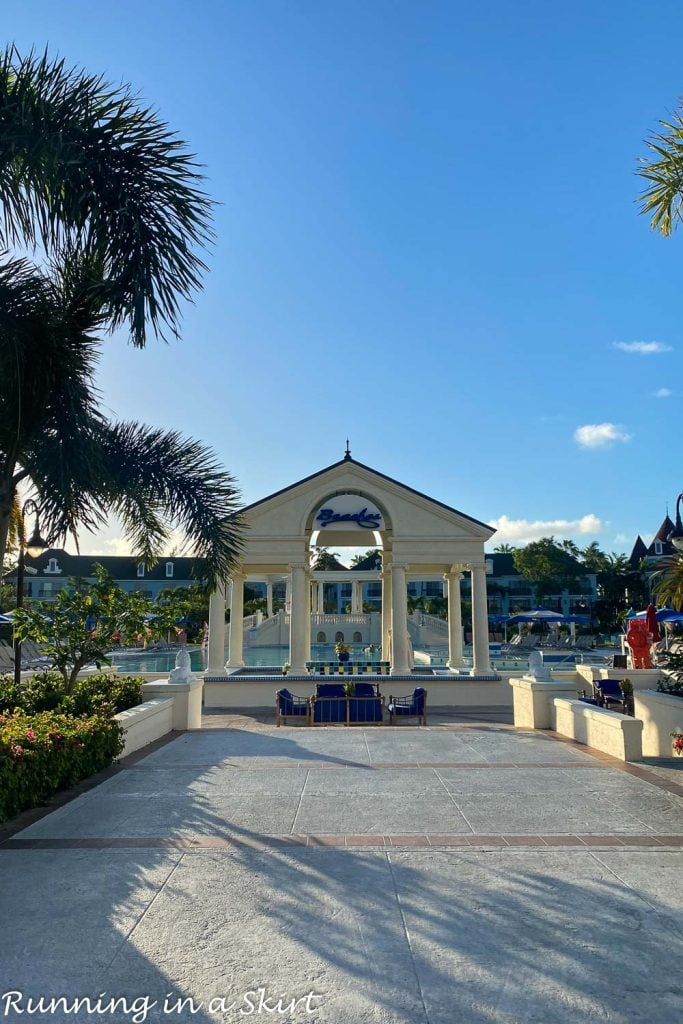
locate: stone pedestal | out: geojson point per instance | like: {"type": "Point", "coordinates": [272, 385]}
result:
{"type": "Point", "coordinates": [187, 701]}
{"type": "Point", "coordinates": [533, 701]}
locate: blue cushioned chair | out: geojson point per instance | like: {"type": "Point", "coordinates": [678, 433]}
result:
{"type": "Point", "coordinates": [366, 704]}
{"type": "Point", "coordinates": [414, 706]}
{"type": "Point", "coordinates": [609, 695]}
{"type": "Point", "coordinates": [287, 705]}
{"type": "Point", "coordinates": [329, 703]}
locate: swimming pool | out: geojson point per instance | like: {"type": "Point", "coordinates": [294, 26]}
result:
{"type": "Point", "coordinates": [277, 656]}
{"type": "Point", "coordinates": [265, 657]}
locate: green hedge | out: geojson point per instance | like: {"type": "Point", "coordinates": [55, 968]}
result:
{"type": "Point", "coordinates": [104, 693]}
{"type": "Point", "coordinates": [45, 752]}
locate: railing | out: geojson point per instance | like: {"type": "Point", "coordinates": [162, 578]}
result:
{"type": "Point", "coordinates": [435, 624]}
{"type": "Point", "coordinates": [318, 619]}
{"type": "Point", "coordinates": [251, 621]}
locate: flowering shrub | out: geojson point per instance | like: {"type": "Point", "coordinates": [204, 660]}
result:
{"type": "Point", "coordinates": [677, 742]}
{"type": "Point", "coordinates": [101, 693]}
{"type": "Point", "coordinates": [43, 753]}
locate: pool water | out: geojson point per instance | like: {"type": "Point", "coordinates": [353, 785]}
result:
{"type": "Point", "coordinates": [266, 657]}
{"type": "Point", "coordinates": [275, 657]}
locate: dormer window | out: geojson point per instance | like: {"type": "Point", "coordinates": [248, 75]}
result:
{"type": "Point", "coordinates": [169, 570]}
{"type": "Point", "coordinates": [52, 566]}
{"type": "Point", "coordinates": [141, 569]}
{"type": "Point", "coordinates": [658, 547]}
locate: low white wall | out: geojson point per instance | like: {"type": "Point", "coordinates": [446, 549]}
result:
{"type": "Point", "coordinates": [661, 714]}
{"type": "Point", "coordinates": [442, 691]}
{"type": "Point", "coordinates": [146, 722]}
{"type": "Point", "coordinates": [642, 678]}
{"type": "Point", "coordinates": [532, 699]}
{"type": "Point", "coordinates": [608, 731]}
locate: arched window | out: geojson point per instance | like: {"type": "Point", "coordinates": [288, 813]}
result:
{"type": "Point", "coordinates": [357, 637]}
{"type": "Point", "coordinates": [322, 638]}
{"type": "Point", "coordinates": [338, 636]}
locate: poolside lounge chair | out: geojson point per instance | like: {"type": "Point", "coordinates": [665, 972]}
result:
{"type": "Point", "coordinates": [6, 657]}
{"type": "Point", "coordinates": [414, 706]}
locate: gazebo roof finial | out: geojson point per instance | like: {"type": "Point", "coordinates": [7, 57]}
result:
{"type": "Point", "coordinates": [347, 453]}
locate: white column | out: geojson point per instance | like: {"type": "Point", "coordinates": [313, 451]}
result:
{"type": "Point", "coordinates": [235, 659]}
{"type": "Point", "coordinates": [307, 619]}
{"type": "Point", "coordinates": [321, 598]}
{"type": "Point", "coordinates": [288, 595]}
{"type": "Point", "coordinates": [356, 598]}
{"type": "Point", "coordinates": [269, 597]}
{"type": "Point", "coordinates": [481, 663]}
{"type": "Point", "coordinates": [455, 658]}
{"type": "Point", "coordinates": [399, 620]}
{"type": "Point", "coordinates": [386, 615]}
{"type": "Point", "coordinates": [298, 655]}
{"type": "Point", "coordinates": [217, 631]}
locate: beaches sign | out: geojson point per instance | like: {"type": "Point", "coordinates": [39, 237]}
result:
{"type": "Point", "coordinates": [343, 513]}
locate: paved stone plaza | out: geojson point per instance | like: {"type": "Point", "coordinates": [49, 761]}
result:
{"type": "Point", "coordinates": [428, 876]}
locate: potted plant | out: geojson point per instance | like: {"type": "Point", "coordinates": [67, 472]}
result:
{"type": "Point", "coordinates": [627, 689]}
{"type": "Point", "coordinates": [343, 650]}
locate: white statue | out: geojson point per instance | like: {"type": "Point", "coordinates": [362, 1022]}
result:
{"type": "Point", "coordinates": [538, 670]}
{"type": "Point", "coordinates": [182, 673]}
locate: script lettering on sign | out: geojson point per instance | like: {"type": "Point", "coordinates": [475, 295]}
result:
{"type": "Point", "coordinates": [367, 520]}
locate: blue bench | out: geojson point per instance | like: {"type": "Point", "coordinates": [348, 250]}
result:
{"type": "Point", "coordinates": [347, 703]}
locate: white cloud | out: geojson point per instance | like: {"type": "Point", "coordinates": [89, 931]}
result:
{"type": "Point", "coordinates": [598, 435]}
{"type": "Point", "coordinates": [642, 348]}
{"type": "Point", "coordinates": [623, 538]}
{"type": "Point", "coordinates": [663, 393]}
{"type": "Point", "coordinates": [101, 544]}
{"type": "Point", "coordinates": [523, 531]}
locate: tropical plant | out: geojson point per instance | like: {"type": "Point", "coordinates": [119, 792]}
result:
{"type": "Point", "coordinates": [115, 201]}
{"type": "Point", "coordinates": [85, 166]}
{"type": "Point", "coordinates": [662, 196]}
{"type": "Point", "coordinates": [667, 582]}
{"type": "Point", "coordinates": [84, 622]}
{"type": "Point", "coordinates": [504, 549]}
{"type": "Point", "coordinates": [547, 565]}
{"type": "Point", "coordinates": [373, 555]}
{"type": "Point", "coordinates": [326, 559]}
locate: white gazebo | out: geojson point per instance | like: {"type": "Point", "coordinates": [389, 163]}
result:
{"type": "Point", "coordinates": [349, 504]}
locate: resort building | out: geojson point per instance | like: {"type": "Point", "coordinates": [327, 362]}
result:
{"type": "Point", "coordinates": [51, 571]}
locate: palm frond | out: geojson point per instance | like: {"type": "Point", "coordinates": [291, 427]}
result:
{"type": "Point", "coordinates": [662, 199]}
{"type": "Point", "coordinates": [176, 481]}
{"type": "Point", "coordinates": [84, 163]}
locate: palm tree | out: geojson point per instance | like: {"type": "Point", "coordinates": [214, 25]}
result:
{"type": "Point", "coordinates": [84, 165]}
{"type": "Point", "coordinates": [504, 549]}
{"type": "Point", "coordinates": [78, 464]}
{"type": "Point", "coordinates": [326, 559]}
{"type": "Point", "coordinates": [668, 582]}
{"type": "Point", "coordinates": [115, 201]}
{"type": "Point", "coordinates": [662, 198]}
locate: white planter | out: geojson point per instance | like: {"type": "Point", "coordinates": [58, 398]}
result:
{"type": "Point", "coordinates": [661, 714]}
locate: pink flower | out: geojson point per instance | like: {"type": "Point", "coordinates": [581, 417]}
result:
{"type": "Point", "coordinates": [30, 735]}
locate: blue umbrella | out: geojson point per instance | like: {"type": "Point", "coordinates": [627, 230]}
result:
{"type": "Point", "coordinates": [663, 615]}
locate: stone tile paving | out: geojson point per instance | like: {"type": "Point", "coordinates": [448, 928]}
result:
{"type": "Point", "coordinates": [496, 876]}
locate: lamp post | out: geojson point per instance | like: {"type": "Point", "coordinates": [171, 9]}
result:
{"type": "Point", "coordinates": [676, 535]}
{"type": "Point", "coordinates": [34, 547]}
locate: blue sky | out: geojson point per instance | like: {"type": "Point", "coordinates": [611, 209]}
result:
{"type": "Point", "coordinates": [428, 241]}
